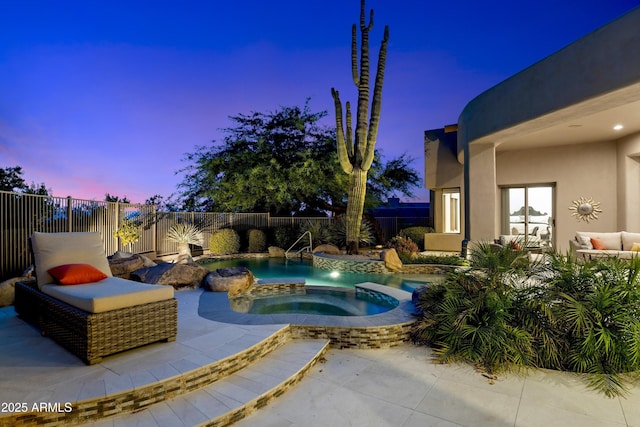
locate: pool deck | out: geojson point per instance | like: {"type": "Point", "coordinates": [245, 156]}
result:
{"type": "Point", "coordinates": [399, 386]}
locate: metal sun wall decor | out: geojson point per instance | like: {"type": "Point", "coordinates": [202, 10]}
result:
{"type": "Point", "coordinates": [585, 209]}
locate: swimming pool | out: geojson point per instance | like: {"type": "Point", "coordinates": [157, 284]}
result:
{"type": "Point", "coordinates": [278, 268]}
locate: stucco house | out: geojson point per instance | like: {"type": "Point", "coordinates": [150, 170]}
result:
{"type": "Point", "coordinates": [528, 156]}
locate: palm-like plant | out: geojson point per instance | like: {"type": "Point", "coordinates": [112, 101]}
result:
{"type": "Point", "coordinates": [505, 312]}
{"type": "Point", "coordinates": [185, 234]}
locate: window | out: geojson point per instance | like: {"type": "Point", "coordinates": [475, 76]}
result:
{"type": "Point", "coordinates": [451, 210]}
{"type": "Point", "coordinates": [527, 211]}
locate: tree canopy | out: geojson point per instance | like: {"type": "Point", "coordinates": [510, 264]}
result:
{"type": "Point", "coordinates": [11, 180]}
{"type": "Point", "coordinates": [283, 162]}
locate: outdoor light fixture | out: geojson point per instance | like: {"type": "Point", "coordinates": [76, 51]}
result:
{"type": "Point", "coordinates": [618, 127]}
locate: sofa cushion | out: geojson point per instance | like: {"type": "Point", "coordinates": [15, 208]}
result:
{"type": "Point", "coordinates": [54, 249]}
{"type": "Point", "coordinates": [628, 239]}
{"type": "Point", "coordinates": [109, 294]}
{"type": "Point", "coordinates": [76, 274]}
{"type": "Point", "coordinates": [612, 240]}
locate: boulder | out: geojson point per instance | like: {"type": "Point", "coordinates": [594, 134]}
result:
{"type": "Point", "coordinates": [276, 252]}
{"type": "Point", "coordinates": [391, 260]}
{"type": "Point", "coordinates": [7, 291]}
{"type": "Point", "coordinates": [234, 280]}
{"type": "Point", "coordinates": [327, 248]}
{"type": "Point", "coordinates": [179, 276]}
{"type": "Point", "coordinates": [123, 267]}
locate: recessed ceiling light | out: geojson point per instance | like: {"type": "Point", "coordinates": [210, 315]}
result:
{"type": "Point", "coordinates": [618, 127]}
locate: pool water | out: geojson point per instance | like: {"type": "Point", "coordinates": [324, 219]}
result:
{"type": "Point", "coordinates": [278, 268]}
{"type": "Point", "coordinates": [316, 301]}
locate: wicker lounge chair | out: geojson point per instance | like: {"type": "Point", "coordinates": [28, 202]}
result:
{"type": "Point", "coordinates": [95, 319]}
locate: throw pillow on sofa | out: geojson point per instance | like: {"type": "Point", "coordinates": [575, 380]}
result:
{"type": "Point", "coordinates": [598, 244]}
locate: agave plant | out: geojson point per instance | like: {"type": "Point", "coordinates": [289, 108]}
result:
{"type": "Point", "coordinates": [337, 233]}
{"type": "Point", "coordinates": [185, 234]}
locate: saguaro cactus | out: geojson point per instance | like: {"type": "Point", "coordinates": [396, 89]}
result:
{"type": "Point", "coordinates": [356, 151]}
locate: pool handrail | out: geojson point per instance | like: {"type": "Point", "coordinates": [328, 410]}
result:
{"type": "Point", "coordinates": [307, 248]}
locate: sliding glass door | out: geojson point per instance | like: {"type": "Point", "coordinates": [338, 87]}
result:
{"type": "Point", "coordinates": [528, 212]}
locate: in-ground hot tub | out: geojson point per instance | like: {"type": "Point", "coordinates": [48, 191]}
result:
{"type": "Point", "coordinates": [381, 330]}
{"type": "Point", "coordinates": [316, 300]}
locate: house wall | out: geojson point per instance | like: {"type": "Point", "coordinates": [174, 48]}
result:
{"type": "Point", "coordinates": [583, 170]}
{"type": "Point", "coordinates": [629, 183]}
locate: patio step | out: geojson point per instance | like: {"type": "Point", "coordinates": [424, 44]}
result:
{"type": "Point", "coordinates": [234, 397]}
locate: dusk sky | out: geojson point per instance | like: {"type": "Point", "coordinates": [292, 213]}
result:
{"type": "Point", "coordinates": [107, 96]}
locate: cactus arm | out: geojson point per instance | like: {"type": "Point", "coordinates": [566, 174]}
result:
{"type": "Point", "coordinates": [354, 56]}
{"type": "Point", "coordinates": [343, 155]}
{"type": "Point", "coordinates": [376, 103]}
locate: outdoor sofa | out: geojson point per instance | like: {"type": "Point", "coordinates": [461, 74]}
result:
{"type": "Point", "coordinates": [84, 308]}
{"type": "Point", "coordinates": [621, 244]}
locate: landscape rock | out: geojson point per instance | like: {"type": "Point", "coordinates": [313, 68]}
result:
{"type": "Point", "coordinates": [234, 280]}
{"type": "Point", "coordinates": [276, 252]}
{"type": "Point", "coordinates": [391, 260]}
{"type": "Point", "coordinates": [180, 276]}
{"type": "Point", "coordinates": [7, 291]}
{"type": "Point", "coordinates": [327, 248]}
{"type": "Point", "coordinates": [123, 267]}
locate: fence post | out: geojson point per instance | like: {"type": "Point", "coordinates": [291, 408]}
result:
{"type": "Point", "coordinates": [69, 214]}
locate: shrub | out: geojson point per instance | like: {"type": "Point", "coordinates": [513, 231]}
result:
{"type": "Point", "coordinates": [432, 259]}
{"type": "Point", "coordinates": [319, 231]}
{"type": "Point", "coordinates": [337, 233]}
{"type": "Point", "coordinates": [224, 241]}
{"type": "Point", "coordinates": [284, 236]}
{"type": "Point", "coordinates": [402, 245]}
{"type": "Point", "coordinates": [256, 240]}
{"type": "Point", "coordinates": [503, 313]}
{"type": "Point", "coordinates": [416, 234]}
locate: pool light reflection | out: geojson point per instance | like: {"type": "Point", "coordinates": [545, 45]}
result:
{"type": "Point", "coordinates": [334, 274]}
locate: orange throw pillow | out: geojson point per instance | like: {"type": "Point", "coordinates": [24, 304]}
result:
{"type": "Point", "coordinates": [76, 274]}
{"type": "Point", "coordinates": [597, 243]}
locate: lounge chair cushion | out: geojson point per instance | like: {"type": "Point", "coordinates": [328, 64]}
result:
{"type": "Point", "coordinates": [76, 274]}
{"type": "Point", "coordinates": [55, 249]}
{"type": "Point", "coordinates": [109, 294]}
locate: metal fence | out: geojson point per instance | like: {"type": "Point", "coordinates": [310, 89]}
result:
{"type": "Point", "coordinates": [23, 214]}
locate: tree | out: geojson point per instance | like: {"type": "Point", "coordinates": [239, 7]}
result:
{"type": "Point", "coordinates": [109, 198]}
{"type": "Point", "coordinates": [11, 180]}
{"type": "Point", "coordinates": [356, 154]}
{"type": "Point", "coordinates": [280, 162]}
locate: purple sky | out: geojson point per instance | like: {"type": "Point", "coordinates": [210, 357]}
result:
{"type": "Point", "coordinates": [107, 96]}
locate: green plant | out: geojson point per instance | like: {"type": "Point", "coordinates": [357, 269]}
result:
{"type": "Point", "coordinates": [319, 231]}
{"type": "Point", "coordinates": [185, 234]}
{"type": "Point", "coordinates": [416, 234]}
{"type": "Point", "coordinates": [224, 241]}
{"type": "Point", "coordinates": [337, 233]}
{"type": "Point", "coordinates": [284, 236]}
{"type": "Point", "coordinates": [402, 245]}
{"type": "Point", "coordinates": [257, 240]}
{"type": "Point", "coordinates": [128, 233]}
{"type": "Point", "coordinates": [506, 313]}
{"type": "Point", "coordinates": [432, 259]}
